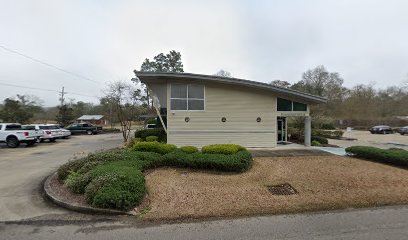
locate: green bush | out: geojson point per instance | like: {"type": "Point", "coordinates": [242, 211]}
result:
{"type": "Point", "coordinates": [114, 179]}
{"type": "Point", "coordinates": [398, 157]}
{"type": "Point", "coordinates": [222, 149]}
{"type": "Point", "coordinates": [154, 147]}
{"type": "Point", "coordinates": [327, 134]}
{"type": "Point", "coordinates": [159, 132]}
{"type": "Point", "coordinates": [120, 190]}
{"type": "Point", "coordinates": [328, 126]}
{"type": "Point", "coordinates": [315, 143]}
{"type": "Point", "coordinates": [152, 139]}
{"type": "Point", "coordinates": [321, 140]}
{"type": "Point", "coordinates": [78, 164]}
{"type": "Point", "coordinates": [237, 162]}
{"type": "Point", "coordinates": [71, 179]}
{"type": "Point", "coordinates": [189, 149]}
{"type": "Point", "coordinates": [71, 166]}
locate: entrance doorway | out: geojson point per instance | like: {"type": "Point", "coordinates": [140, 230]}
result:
{"type": "Point", "coordinates": [282, 130]}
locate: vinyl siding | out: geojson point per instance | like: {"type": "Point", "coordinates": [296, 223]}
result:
{"type": "Point", "coordinates": [240, 106]}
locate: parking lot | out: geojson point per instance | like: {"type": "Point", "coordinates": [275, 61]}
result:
{"type": "Point", "coordinates": [23, 169]}
{"type": "Point", "coordinates": [365, 138]}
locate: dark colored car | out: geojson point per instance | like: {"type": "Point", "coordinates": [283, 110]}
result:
{"type": "Point", "coordinates": [87, 128]}
{"type": "Point", "coordinates": [381, 129]}
{"type": "Point", "coordinates": [403, 130]}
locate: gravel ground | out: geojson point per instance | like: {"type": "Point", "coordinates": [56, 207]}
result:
{"type": "Point", "coordinates": [323, 182]}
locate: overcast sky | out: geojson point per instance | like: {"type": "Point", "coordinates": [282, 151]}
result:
{"type": "Point", "coordinates": [366, 41]}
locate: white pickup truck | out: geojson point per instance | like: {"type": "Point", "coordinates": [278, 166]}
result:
{"type": "Point", "coordinates": [13, 134]}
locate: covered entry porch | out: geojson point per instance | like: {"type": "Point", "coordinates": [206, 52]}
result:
{"type": "Point", "coordinates": [282, 136]}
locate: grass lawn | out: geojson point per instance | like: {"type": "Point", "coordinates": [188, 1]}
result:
{"type": "Point", "coordinates": [322, 182]}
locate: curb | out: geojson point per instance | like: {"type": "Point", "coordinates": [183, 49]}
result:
{"type": "Point", "coordinates": [73, 206]}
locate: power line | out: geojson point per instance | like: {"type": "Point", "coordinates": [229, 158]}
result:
{"type": "Point", "coordinates": [44, 89]}
{"type": "Point", "coordinates": [49, 65]}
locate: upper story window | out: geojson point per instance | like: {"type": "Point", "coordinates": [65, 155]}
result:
{"type": "Point", "coordinates": [187, 97]}
{"type": "Point", "coordinates": [284, 105]}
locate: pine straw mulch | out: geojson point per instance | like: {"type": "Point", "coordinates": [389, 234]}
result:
{"type": "Point", "coordinates": [322, 182]}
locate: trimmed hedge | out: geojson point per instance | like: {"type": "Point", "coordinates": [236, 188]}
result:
{"type": "Point", "coordinates": [222, 149]}
{"type": "Point", "coordinates": [159, 132]}
{"type": "Point", "coordinates": [154, 147]}
{"type": "Point", "coordinates": [152, 139]}
{"type": "Point", "coordinates": [237, 162]}
{"type": "Point", "coordinates": [189, 149]}
{"type": "Point", "coordinates": [321, 140]}
{"type": "Point", "coordinates": [398, 157]}
{"type": "Point", "coordinates": [114, 178]}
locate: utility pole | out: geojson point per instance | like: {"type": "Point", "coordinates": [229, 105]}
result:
{"type": "Point", "coordinates": [62, 96]}
{"type": "Point", "coordinates": [62, 110]}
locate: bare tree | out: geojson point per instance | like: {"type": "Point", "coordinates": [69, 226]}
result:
{"type": "Point", "coordinates": [125, 98]}
{"type": "Point", "coordinates": [223, 73]}
{"type": "Point", "coordinates": [280, 83]}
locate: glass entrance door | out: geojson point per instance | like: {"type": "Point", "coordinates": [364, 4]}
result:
{"type": "Point", "coordinates": [281, 126]}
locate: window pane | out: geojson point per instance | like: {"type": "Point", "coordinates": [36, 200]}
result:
{"type": "Point", "coordinates": [13, 127]}
{"type": "Point", "coordinates": [284, 105]}
{"type": "Point", "coordinates": [178, 104]}
{"type": "Point", "coordinates": [179, 91]}
{"type": "Point", "coordinates": [299, 107]}
{"type": "Point", "coordinates": [195, 104]}
{"type": "Point", "coordinates": [195, 91]}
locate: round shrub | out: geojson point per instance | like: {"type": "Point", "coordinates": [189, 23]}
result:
{"type": "Point", "coordinates": [71, 166]}
{"type": "Point", "coordinates": [315, 143]}
{"type": "Point", "coordinates": [152, 139]}
{"type": "Point", "coordinates": [189, 149]}
{"type": "Point", "coordinates": [93, 187]}
{"type": "Point", "coordinates": [71, 179]}
{"type": "Point", "coordinates": [222, 149]}
{"type": "Point", "coordinates": [77, 182]}
{"type": "Point", "coordinates": [122, 191]}
{"type": "Point", "coordinates": [156, 147]}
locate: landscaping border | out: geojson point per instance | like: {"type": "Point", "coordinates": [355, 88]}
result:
{"type": "Point", "coordinates": [50, 195]}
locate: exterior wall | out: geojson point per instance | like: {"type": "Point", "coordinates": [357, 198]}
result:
{"type": "Point", "coordinates": [240, 106]}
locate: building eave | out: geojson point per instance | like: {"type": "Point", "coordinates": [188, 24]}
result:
{"type": "Point", "coordinates": [149, 77]}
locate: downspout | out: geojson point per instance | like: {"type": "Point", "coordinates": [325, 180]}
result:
{"type": "Point", "coordinates": [156, 105]}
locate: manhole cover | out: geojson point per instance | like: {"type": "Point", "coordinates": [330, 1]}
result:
{"type": "Point", "coordinates": [282, 189]}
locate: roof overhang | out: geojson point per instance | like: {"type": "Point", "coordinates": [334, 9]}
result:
{"type": "Point", "coordinates": [156, 77]}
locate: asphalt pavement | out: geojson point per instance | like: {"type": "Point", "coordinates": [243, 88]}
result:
{"type": "Point", "coordinates": [24, 214]}
{"type": "Point", "coordinates": [23, 170]}
{"type": "Point", "coordinates": [373, 224]}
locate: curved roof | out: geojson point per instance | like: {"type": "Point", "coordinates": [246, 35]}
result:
{"type": "Point", "coordinates": [150, 77]}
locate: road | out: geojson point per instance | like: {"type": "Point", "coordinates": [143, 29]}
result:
{"type": "Point", "coordinates": [374, 224]}
{"type": "Point", "coordinates": [24, 214]}
{"type": "Point", "coordinates": [23, 169]}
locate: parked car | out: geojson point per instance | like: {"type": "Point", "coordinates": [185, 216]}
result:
{"type": "Point", "coordinates": [13, 134]}
{"type": "Point", "coordinates": [49, 133]}
{"type": "Point", "coordinates": [381, 129]}
{"type": "Point", "coordinates": [65, 133]}
{"type": "Point", "coordinates": [150, 125]}
{"type": "Point", "coordinates": [403, 130]}
{"type": "Point", "coordinates": [84, 128]}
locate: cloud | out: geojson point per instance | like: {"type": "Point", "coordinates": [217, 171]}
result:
{"type": "Point", "coordinates": [364, 41]}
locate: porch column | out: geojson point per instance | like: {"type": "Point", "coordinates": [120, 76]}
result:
{"type": "Point", "coordinates": [308, 131]}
